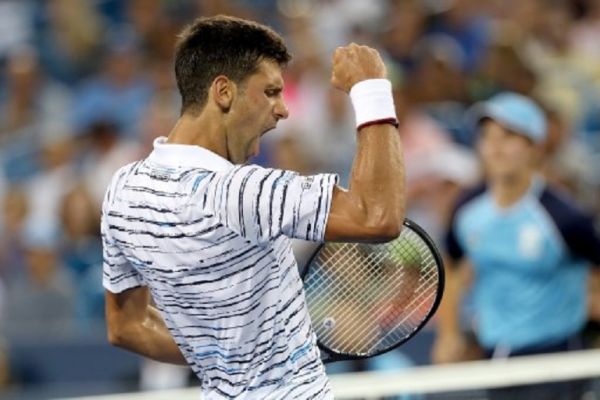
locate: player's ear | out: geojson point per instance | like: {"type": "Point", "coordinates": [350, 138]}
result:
{"type": "Point", "coordinates": [223, 91]}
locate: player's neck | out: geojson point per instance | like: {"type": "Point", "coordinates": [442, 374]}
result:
{"type": "Point", "coordinates": [199, 131]}
{"type": "Point", "coordinates": [510, 189]}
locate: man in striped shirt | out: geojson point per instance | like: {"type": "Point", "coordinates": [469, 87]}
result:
{"type": "Point", "coordinates": [207, 238]}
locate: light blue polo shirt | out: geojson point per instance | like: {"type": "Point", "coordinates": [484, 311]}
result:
{"type": "Point", "coordinates": [531, 264]}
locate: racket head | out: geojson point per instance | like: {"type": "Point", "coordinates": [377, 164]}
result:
{"type": "Point", "coordinates": [351, 317]}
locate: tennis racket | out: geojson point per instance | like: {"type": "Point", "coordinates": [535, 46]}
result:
{"type": "Point", "coordinates": [367, 299]}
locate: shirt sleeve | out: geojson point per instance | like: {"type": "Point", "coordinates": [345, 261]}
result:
{"type": "Point", "coordinates": [575, 225]}
{"type": "Point", "coordinates": [583, 238]}
{"type": "Point", "coordinates": [262, 204]}
{"type": "Point", "coordinates": [118, 274]}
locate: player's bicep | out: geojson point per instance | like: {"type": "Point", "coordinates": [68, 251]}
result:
{"type": "Point", "coordinates": [349, 220]}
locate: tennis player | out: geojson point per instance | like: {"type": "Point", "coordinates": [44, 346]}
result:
{"type": "Point", "coordinates": [526, 246]}
{"type": "Point", "coordinates": [198, 267]}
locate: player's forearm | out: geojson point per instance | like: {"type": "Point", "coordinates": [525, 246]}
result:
{"type": "Point", "coordinates": [373, 208]}
{"type": "Point", "coordinates": [377, 177]}
{"type": "Point", "coordinates": [148, 337]}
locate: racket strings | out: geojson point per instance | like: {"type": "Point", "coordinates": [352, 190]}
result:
{"type": "Point", "coordinates": [364, 298]}
{"type": "Point", "coordinates": [364, 330]}
{"type": "Point", "coordinates": [413, 317]}
{"type": "Point", "coordinates": [341, 292]}
{"type": "Point", "coordinates": [386, 335]}
{"type": "Point", "coordinates": [337, 307]}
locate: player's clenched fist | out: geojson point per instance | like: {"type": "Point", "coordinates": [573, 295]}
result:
{"type": "Point", "coordinates": [354, 63]}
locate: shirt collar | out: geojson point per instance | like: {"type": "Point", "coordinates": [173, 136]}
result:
{"type": "Point", "coordinates": [187, 156]}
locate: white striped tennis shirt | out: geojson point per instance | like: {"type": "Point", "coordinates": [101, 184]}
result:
{"type": "Point", "coordinates": [211, 241]}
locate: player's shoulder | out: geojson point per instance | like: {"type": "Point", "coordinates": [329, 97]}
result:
{"type": "Point", "coordinates": [257, 173]}
{"type": "Point", "coordinates": [118, 177]}
{"type": "Point", "coordinates": [255, 177]}
{"type": "Point", "coordinates": [247, 169]}
{"type": "Point", "coordinates": [126, 169]}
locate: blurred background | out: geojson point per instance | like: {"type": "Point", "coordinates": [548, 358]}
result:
{"type": "Point", "coordinates": [86, 85]}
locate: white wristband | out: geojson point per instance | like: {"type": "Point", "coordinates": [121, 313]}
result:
{"type": "Point", "coordinates": [372, 100]}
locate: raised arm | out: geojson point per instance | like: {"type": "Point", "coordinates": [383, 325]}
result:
{"type": "Point", "coordinates": [135, 325]}
{"type": "Point", "coordinates": [372, 209]}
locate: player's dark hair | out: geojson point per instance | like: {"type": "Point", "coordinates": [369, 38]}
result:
{"type": "Point", "coordinates": [221, 45]}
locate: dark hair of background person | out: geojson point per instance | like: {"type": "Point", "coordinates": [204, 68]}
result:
{"type": "Point", "coordinates": [222, 45]}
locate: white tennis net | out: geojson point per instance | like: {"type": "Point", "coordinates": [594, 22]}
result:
{"type": "Point", "coordinates": [471, 380]}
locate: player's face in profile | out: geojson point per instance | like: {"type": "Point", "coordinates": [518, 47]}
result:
{"type": "Point", "coordinates": [504, 153]}
{"type": "Point", "coordinates": [258, 108]}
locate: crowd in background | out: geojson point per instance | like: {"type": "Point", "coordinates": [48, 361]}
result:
{"type": "Point", "coordinates": [85, 86]}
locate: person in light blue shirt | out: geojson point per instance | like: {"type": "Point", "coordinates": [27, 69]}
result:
{"type": "Point", "coordinates": [524, 247]}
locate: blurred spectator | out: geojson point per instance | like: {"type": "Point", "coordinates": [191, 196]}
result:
{"type": "Point", "coordinates": [33, 102]}
{"type": "Point", "coordinates": [437, 84]}
{"type": "Point", "coordinates": [34, 110]}
{"type": "Point", "coordinates": [40, 302]}
{"type": "Point", "coordinates": [15, 209]}
{"type": "Point", "coordinates": [155, 26]}
{"type": "Point", "coordinates": [107, 152]}
{"type": "Point", "coordinates": [46, 189]}
{"type": "Point", "coordinates": [515, 21]}
{"type": "Point", "coordinates": [79, 219]}
{"type": "Point", "coordinates": [565, 77]}
{"type": "Point", "coordinates": [81, 252]}
{"type": "Point", "coordinates": [437, 76]}
{"type": "Point", "coordinates": [422, 136]}
{"type": "Point", "coordinates": [569, 163]}
{"type": "Point", "coordinates": [69, 36]}
{"type": "Point", "coordinates": [435, 167]}
{"type": "Point", "coordinates": [463, 21]}
{"type": "Point", "coordinates": [501, 69]}
{"type": "Point", "coordinates": [335, 21]}
{"type": "Point", "coordinates": [529, 248]}
{"type": "Point", "coordinates": [443, 177]}
{"type": "Point", "coordinates": [407, 22]}
{"type": "Point", "coordinates": [120, 93]}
